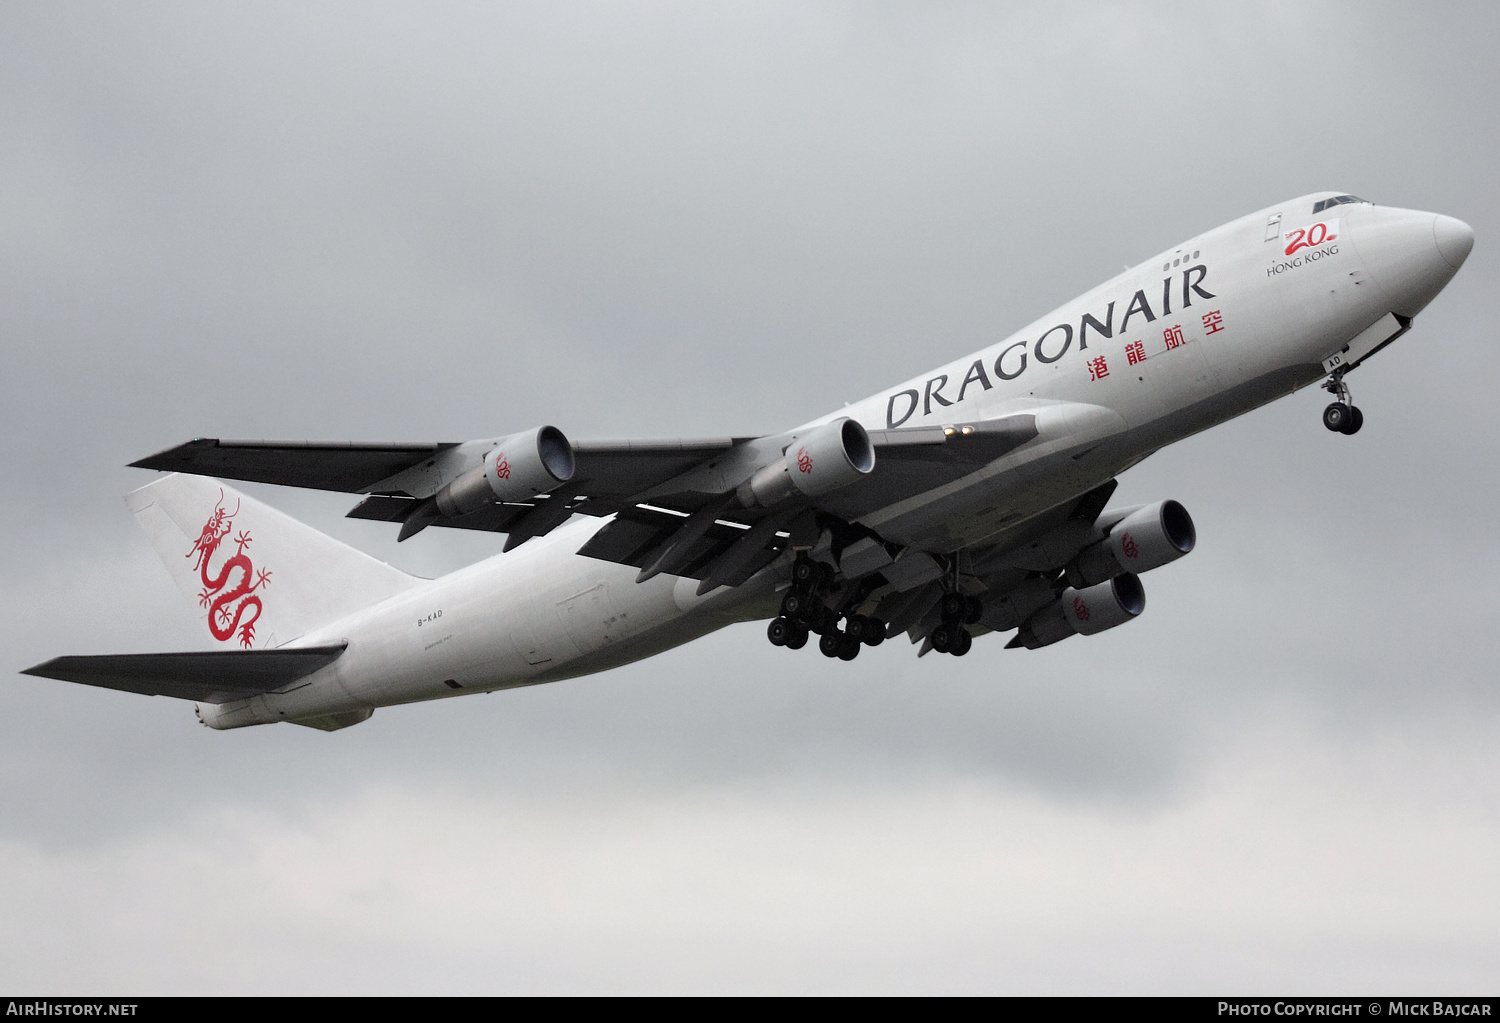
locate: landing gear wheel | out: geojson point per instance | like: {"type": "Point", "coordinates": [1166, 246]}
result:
{"type": "Point", "coordinates": [1337, 417]}
{"type": "Point", "coordinates": [779, 631]}
{"type": "Point", "coordinates": [973, 609]}
{"type": "Point", "coordinates": [797, 639]}
{"type": "Point", "coordinates": [866, 630]}
{"type": "Point", "coordinates": [1341, 416]}
{"type": "Point", "coordinates": [793, 605]}
{"type": "Point", "coordinates": [850, 650]}
{"type": "Point", "coordinates": [953, 607]}
{"type": "Point", "coordinates": [940, 638]}
{"type": "Point", "coordinates": [830, 643]}
{"type": "Point", "coordinates": [804, 571]}
{"type": "Point", "coordinates": [960, 643]}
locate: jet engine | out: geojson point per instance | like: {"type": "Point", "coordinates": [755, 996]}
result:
{"type": "Point", "coordinates": [1084, 612]}
{"type": "Point", "coordinates": [1147, 538]}
{"type": "Point", "coordinates": [517, 469]}
{"type": "Point", "coordinates": [824, 459]}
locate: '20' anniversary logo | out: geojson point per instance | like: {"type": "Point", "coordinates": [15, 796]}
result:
{"type": "Point", "coordinates": [1312, 235]}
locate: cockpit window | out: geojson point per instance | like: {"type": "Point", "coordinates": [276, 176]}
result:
{"type": "Point", "coordinates": [1338, 200]}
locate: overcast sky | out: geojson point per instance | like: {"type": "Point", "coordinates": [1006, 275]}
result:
{"type": "Point", "coordinates": [434, 222]}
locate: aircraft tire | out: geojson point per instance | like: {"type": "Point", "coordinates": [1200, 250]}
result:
{"type": "Point", "coordinates": [973, 609]}
{"type": "Point", "coordinates": [804, 571]}
{"type": "Point", "coordinates": [940, 638]}
{"type": "Point", "coordinates": [830, 643]}
{"type": "Point", "coordinates": [793, 604]}
{"type": "Point", "coordinates": [849, 650]}
{"type": "Point", "coordinates": [1337, 416]}
{"type": "Point", "coordinates": [797, 638]}
{"type": "Point", "coordinates": [1356, 420]}
{"type": "Point", "coordinates": [962, 641]}
{"type": "Point", "coordinates": [859, 628]}
{"type": "Point", "coordinates": [953, 607]}
{"type": "Point", "coordinates": [875, 634]}
{"type": "Point", "coordinates": [778, 631]}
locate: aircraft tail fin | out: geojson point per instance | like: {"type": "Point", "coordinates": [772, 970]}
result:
{"type": "Point", "coordinates": [255, 576]}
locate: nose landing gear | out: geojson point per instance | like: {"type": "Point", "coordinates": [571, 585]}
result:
{"type": "Point", "coordinates": [1341, 416]}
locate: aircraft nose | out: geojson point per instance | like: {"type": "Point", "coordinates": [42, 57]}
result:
{"type": "Point", "coordinates": [1454, 239]}
{"type": "Point", "coordinates": [1411, 254]}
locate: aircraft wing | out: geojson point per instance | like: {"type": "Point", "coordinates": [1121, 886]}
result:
{"type": "Point", "coordinates": [212, 676]}
{"type": "Point", "coordinates": [703, 534]}
{"type": "Point", "coordinates": [350, 468]}
{"type": "Point", "coordinates": [609, 477]}
{"type": "Point", "coordinates": [604, 468]}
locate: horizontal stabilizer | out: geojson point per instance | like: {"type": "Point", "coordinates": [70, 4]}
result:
{"type": "Point", "coordinates": [212, 676]}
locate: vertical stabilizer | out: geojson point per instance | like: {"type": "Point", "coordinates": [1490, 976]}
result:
{"type": "Point", "coordinates": [255, 576]}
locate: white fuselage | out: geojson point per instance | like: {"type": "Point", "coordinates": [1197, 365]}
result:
{"type": "Point", "coordinates": [1209, 330]}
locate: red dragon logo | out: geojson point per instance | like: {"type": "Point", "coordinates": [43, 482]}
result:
{"type": "Point", "coordinates": [224, 614]}
{"type": "Point", "coordinates": [804, 460]}
{"type": "Point", "coordinates": [1080, 609]}
{"type": "Point", "coordinates": [502, 467]}
{"type": "Point", "coordinates": [1128, 546]}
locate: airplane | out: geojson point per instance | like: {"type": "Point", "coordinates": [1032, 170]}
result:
{"type": "Point", "coordinates": [968, 501]}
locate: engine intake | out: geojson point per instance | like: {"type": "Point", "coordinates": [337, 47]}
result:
{"type": "Point", "coordinates": [1147, 538]}
{"type": "Point", "coordinates": [822, 460]}
{"type": "Point", "coordinates": [517, 469]}
{"type": "Point", "coordinates": [1084, 612]}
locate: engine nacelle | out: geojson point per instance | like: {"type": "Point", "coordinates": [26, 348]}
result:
{"type": "Point", "coordinates": [1084, 612]}
{"type": "Point", "coordinates": [1147, 538]}
{"type": "Point", "coordinates": [822, 460]}
{"type": "Point", "coordinates": [517, 469]}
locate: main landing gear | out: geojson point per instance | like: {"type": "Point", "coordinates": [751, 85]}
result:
{"type": "Point", "coordinates": [1341, 416]}
{"type": "Point", "coordinates": [804, 611]}
{"type": "Point", "coordinates": [949, 636]}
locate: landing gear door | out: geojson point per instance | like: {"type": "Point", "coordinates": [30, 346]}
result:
{"type": "Point", "coordinates": [1367, 342]}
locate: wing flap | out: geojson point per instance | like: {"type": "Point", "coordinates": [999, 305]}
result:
{"type": "Point", "coordinates": [210, 676]}
{"type": "Point", "coordinates": [638, 535]}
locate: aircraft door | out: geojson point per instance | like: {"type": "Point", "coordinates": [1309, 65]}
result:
{"type": "Point", "coordinates": [590, 617]}
{"type": "Point", "coordinates": [542, 641]}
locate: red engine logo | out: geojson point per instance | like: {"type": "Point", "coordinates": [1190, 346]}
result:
{"type": "Point", "coordinates": [228, 605]}
{"type": "Point", "coordinates": [1080, 609]}
{"type": "Point", "coordinates": [502, 467]}
{"type": "Point", "coordinates": [804, 460]}
{"type": "Point", "coordinates": [1128, 546]}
